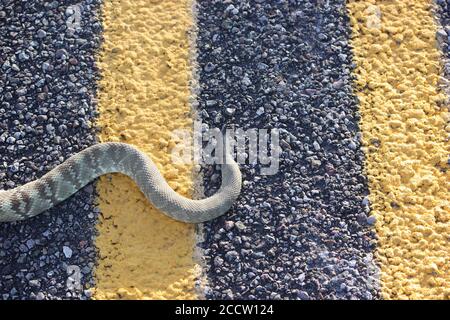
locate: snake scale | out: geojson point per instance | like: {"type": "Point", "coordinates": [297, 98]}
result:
{"type": "Point", "coordinates": [67, 178]}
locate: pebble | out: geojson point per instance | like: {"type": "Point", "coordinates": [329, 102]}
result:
{"type": "Point", "coordinates": [260, 111]}
{"type": "Point", "coordinates": [67, 252]}
{"type": "Point", "coordinates": [218, 261]}
{"type": "Point", "coordinates": [61, 54]}
{"type": "Point", "coordinates": [45, 66]}
{"type": "Point", "coordinates": [371, 220]}
{"type": "Point", "coordinates": [230, 111]}
{"type": "Point", "coordinates": [211, 103]}
{"type": "Point", "coordinates": [209, 67]}
{"type": "Point", "coordinates": [302, 295]}
{"type": "Point", "coordinates": [35, 283]}
{"type": "Point", "coordinates": [23, 56]}
{"type": "Point", "coordinates": [41, 34]}
{"type": "Point", "coordinates": [11, 140]}
{"type": "Point", "coordinates": [30, 243]}
{"type": "Point", "coordinates": [240, 225]}
{"type": "Point", "coordinates": [229, 225]}
{"type": "Point", "coordinates": [40, 296]}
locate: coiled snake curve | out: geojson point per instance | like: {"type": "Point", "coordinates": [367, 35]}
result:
{"type": "Point", "coordinates": [67, 178]}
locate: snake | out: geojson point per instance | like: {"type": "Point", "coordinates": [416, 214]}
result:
{"type": "Point", "coordinates": [77, 171]}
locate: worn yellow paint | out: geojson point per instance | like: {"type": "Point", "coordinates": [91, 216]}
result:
{"type": "Point", "coordinates": [404, 118]}
{"type": "Point", "coordinates": [144, 96]}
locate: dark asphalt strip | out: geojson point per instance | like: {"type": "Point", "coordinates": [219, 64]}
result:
{"type": "Point", "coordinates": [305, 231]}
{"type": "Point", "coordinates": [47, 85]}
{"type": "Point", "coordinates": [443, 12]}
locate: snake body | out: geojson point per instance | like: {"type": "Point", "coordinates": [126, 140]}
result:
{"type": "Point", "coordinates": [67, 178]}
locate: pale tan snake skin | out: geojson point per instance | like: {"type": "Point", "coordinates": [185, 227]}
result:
{"type": "Point", "coordinates": [67, 178]}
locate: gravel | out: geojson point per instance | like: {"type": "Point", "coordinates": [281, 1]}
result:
{"type": "Point", "coordinates": [46, 106]}
{"type": "Point", "coordinates": [443, 37]}
{"type": "Point", "coordinates": [67, 252]}
{"type": "Point", "coordinates": [305, 232]}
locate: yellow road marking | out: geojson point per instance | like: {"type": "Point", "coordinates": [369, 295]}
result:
{"type": "Point", "coordinates": [143, 96]}
{"type": "Point", "coordinates": [403, 125]}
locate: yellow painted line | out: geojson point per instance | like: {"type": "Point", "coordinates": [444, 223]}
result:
{"type": "Point", "coordinates": [143, 96]}
{"type": "Point", "coordinates": [404, 131]}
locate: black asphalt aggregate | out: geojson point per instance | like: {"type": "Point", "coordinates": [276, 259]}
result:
{"type": "Point", "coordinates": [443, 35]}
{"type": "Point", "coordinates": [305, 232]}
{"type": "Point", "coordinates": [47, 85]}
